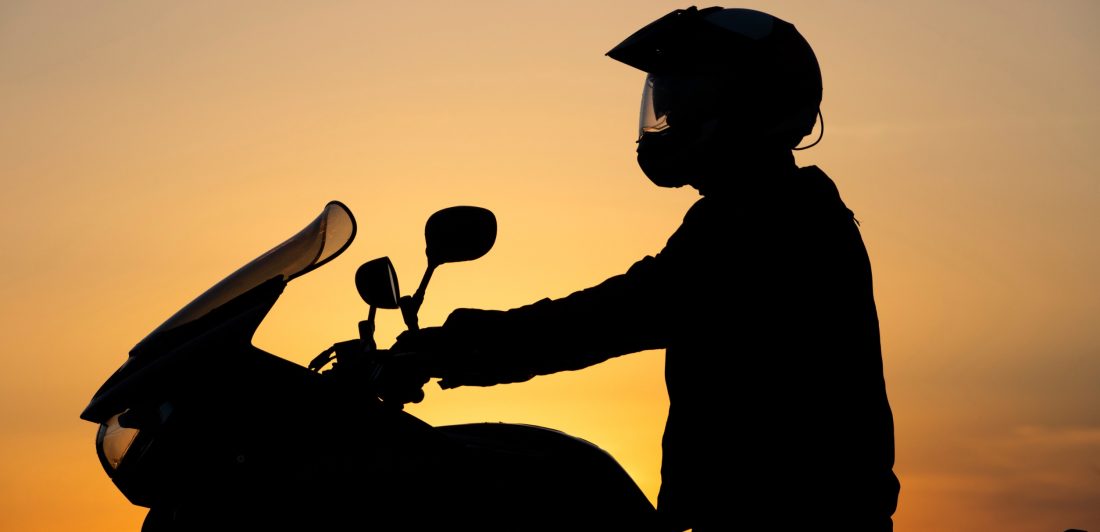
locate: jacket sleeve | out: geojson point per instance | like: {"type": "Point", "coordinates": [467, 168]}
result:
{"type": "Point", "coordinates": [631, 312]}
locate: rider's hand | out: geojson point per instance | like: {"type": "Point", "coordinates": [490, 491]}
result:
{"type": "Point", "coordinates": [410, 365]}
{"type": "Point", "coordinates": [402, 380]}
{"type": "Point", "coordinates": [462, 351]}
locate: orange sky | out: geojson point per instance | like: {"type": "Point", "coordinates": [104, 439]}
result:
{"type": "Point", "coordinates": [148, 149]}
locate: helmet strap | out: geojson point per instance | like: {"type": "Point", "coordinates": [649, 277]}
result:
{"type": "Point", "coordinates": [820, 133]}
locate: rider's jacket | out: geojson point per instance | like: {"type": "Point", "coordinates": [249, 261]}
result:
{"type": "Point", "coordinates": [763, 300]}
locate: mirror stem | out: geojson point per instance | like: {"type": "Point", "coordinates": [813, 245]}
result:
{"type": "Point", "coordinates": [366, 331]}
{"type": "Point", "coordinates": [410, 305]}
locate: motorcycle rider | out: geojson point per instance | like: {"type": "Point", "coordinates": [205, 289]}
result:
{"type": "Point", "coordinates": [763, 298]}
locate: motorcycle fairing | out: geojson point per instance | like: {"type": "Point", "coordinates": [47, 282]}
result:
{"type": "Point", "coordinates": [230, 311]}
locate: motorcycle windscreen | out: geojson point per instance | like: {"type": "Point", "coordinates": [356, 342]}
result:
{"type": "Point", "coordinates": [321, 241]}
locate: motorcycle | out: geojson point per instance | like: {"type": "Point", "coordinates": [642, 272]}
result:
{"type": "Point", "coordinates": [210, 432]}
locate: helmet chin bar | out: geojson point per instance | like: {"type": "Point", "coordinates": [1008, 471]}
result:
{"type": "Point", "coordinates": [666, 159]}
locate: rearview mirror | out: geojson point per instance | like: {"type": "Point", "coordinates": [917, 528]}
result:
{"type": "Point", "coordinates": [457, 234]}
{"type": "Point", "coordinates": [376, 281]}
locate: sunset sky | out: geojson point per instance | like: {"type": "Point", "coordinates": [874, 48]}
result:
{"type": "Point", "coordinates": [147, 149]}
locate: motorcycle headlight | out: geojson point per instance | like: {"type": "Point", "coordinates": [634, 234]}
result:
{"type": "Point", "coordinates": [112, 442]}
{"type": "Point", "coordinates": [128, 455]}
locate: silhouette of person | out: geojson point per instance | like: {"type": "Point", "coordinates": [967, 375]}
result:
{"type": "Point", "coordinates": [762, 299]}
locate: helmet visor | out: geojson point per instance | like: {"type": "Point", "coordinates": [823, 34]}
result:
{"type": "Point", "coordinates": [688, 102]}
{"type": "Point", "coordinates": [652, 118]}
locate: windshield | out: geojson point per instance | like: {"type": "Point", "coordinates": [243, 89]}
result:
{"type": "Point", "coordinates": [321, 241]}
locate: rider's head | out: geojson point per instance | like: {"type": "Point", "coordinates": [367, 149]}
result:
{"type": "Point", "coordinates": [722, 84]}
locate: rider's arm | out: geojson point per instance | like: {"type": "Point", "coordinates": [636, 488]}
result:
{"type": "Point", "coordinates": [632, 312]}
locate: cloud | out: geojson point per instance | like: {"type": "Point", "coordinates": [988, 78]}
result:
{"type": "Point", "coordinates": [1041, 477]}
{"type": "Point", "coordinates": [1023, 478]}
{"type": "Point", "coordinates": [1060, 437]}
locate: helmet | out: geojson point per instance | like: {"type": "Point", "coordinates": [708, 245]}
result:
{"type": "Point", "coordinates": [719, 78]}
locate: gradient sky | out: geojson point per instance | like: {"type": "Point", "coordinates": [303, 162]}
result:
{"type": "Point", "coordinates": [149, 148]}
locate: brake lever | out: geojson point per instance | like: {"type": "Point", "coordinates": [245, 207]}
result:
{"type": "Point", "coordinates": [340, 350]}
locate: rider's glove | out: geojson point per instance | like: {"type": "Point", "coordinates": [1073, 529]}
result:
{"type": "Point", "coordinates": [402, 379]}
{"type": "Point", "coordinates": [462, 352]}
